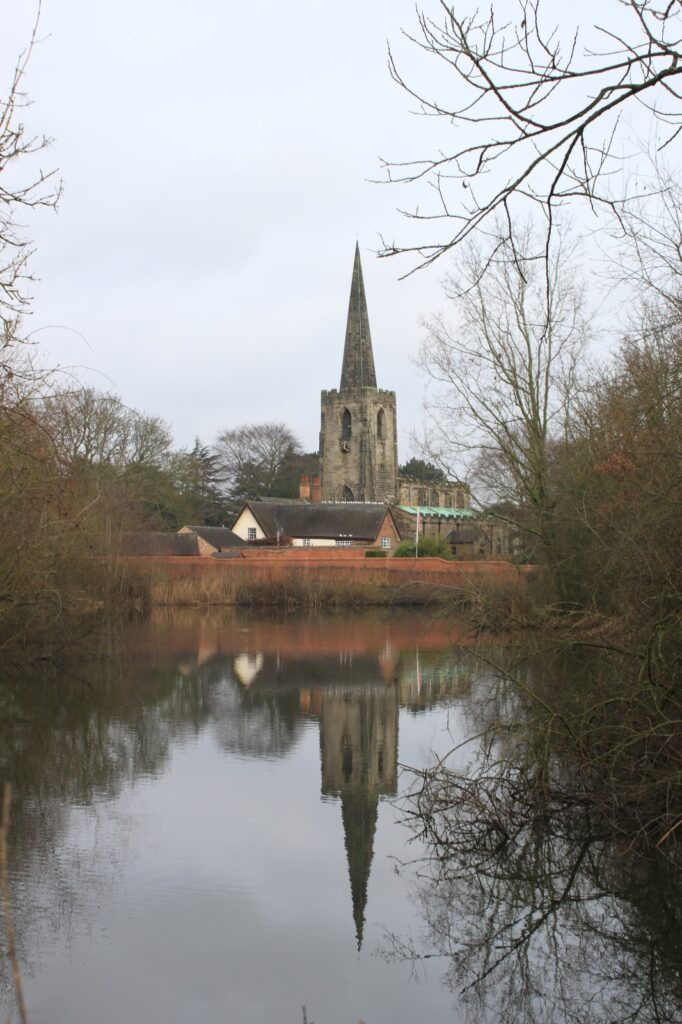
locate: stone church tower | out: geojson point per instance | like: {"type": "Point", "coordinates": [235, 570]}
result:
{"type": "Point", "coordinates": [358, 434]}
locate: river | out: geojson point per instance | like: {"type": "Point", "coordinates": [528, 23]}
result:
{"type": "Point", "coordinates": [206, 823]}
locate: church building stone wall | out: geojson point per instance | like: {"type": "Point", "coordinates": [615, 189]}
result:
{"type": "Point", "coordinates": [359, 445]}
{"type": "Point", "coordinates": [359, 431]}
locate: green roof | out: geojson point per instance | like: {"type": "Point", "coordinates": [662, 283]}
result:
{"type": "Point", "coordinates": [434, 510]}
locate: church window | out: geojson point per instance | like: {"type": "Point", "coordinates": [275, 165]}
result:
{"type": "Point", "coordinates": [346, 493]}
{"type": "Point", "coordinates": [381, 425]}
{"type": "Point", "coordinates": [346, 425]}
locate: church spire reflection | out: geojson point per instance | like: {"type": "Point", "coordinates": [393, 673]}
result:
{"type": "Point", "coordinates": [359, 754]}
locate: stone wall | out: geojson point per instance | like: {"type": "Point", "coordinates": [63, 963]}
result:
{"type": "Point", "coordinates": [359, 445]}
{"type": "Point", "coordinates": [451, 494]}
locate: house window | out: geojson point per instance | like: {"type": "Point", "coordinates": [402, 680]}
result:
{"type": "Point", "coordinates": [460, 499]}
{"type": "Point", "coordinates": [386, 542]}
{"type": "Point", "coordinates": [343, 543]}
{"type": "Point", "coordinates": [306, 542]}
{"type": "Point", "coordinates": [435, 499]}
{"type": "Point", "coordinates": [252, 533]}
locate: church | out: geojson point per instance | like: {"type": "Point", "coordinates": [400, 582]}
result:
{"type": "Point", "coordinates": [358, 426]}
{"type": "Point", "coordinates": [358, 475]}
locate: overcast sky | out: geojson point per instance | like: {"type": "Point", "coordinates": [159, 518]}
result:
{"type": "Point", "coordinates": [216, 159]}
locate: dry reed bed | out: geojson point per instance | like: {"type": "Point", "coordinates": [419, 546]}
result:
{"type": "Point", "coordinates": [205, 582]}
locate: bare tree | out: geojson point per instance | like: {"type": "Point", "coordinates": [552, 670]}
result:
{"type": "Point", "coordinates": [536, 113]}
{"type": "Point", "coordinates": [646, 247]}
{"type": "Point", "coordinates": [39, 190]}
{"type": "Point", "coordinates": [253, 458]}
{"type": "Point", "coordinates": [504, 370]}
{"type": "Point", "coordinates": [95, 428]}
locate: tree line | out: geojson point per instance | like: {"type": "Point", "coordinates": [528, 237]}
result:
{"type": "Point", "coordinates": [581, 452]}
{"type": "Point", "coordinates": [580, 757]}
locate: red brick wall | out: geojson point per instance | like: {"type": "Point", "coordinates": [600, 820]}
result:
{"type": "Point", "coordinates": [346, 565]}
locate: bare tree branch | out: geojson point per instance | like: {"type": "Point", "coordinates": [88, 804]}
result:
{"type": "Point", "coordinates": [536, 118]}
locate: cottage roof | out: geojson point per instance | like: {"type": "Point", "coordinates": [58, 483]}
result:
{"type": "Point", "coordinates": [352, 520]}
{"type": "Point", "coordinates": [148, 543]}
{"type": "Point", "coordinates": [358, 359]}
{"type": "Point", "coordinates": [218, 536]}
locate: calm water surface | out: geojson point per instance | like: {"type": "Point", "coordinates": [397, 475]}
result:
{"type": "Point", "coordinates": [207, 828]}
{"type": "Point", "coordinates": [204, 827]}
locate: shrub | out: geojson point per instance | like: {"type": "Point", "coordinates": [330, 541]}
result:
{"type": "Point", "coordinates": [375, 553]}
{"type": "Point", "coordinates": [429, 547]}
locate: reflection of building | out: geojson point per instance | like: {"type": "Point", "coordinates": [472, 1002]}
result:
{"type": "Point", "coordinates": [359, 752]}
{"type": "Point", "coordinates": [246, 667]}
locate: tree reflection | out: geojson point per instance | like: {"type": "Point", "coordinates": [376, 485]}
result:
{"type": "Point", "coordinates": [542, 910]}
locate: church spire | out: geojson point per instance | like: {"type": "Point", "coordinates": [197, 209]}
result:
{"type": "Point", "coordinates": [358, 360]}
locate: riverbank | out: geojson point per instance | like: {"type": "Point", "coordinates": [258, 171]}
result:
{"type": "Point", "coordinates": [314, 581]}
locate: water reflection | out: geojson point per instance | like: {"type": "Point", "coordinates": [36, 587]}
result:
{"type": "Point", "coordinates": [218, 796]}
{"type": "Point", "coordinates": [77, 748]}
{"type": "Point", "coordinates": [359, 752]}
{"type": "Point", "coordinates": [539, 909]}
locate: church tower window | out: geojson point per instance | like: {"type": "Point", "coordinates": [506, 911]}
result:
{"type": "Point", "coordinates": [346, 425]}
{"type": "Point", "coordinates": [381, 425]}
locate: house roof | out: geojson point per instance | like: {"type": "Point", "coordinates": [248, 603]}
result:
{"type": "Point", "coordinates": [444, 513]}
{"type": "Point", "coordinates": [218, 536]}
{"type": "Point", "coordinates": [349, 519]}
{"type": "Point", "coordinates": [282, 501]}
{"type": "Point", "coordinates": [148, 544]}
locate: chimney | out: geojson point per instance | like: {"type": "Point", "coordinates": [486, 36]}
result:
{"type": "Point", "coordinates": [304, 487]}
{"type": "Point", "coordinates": [316, 490]}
